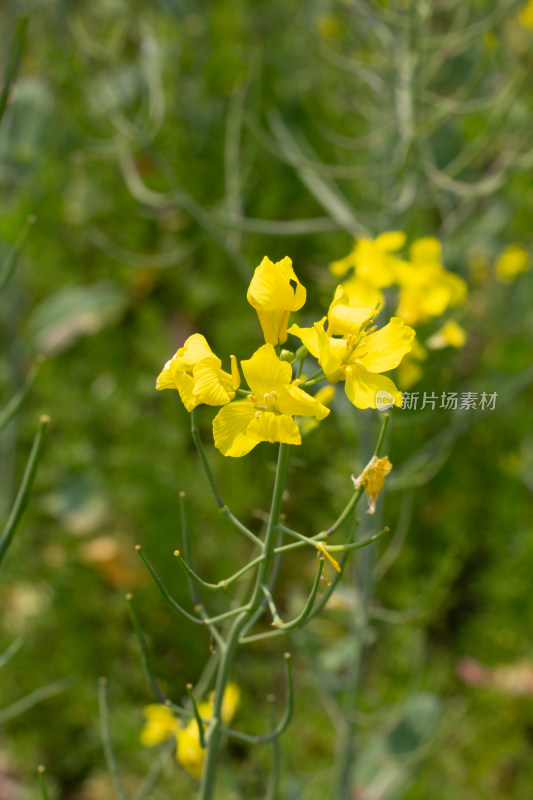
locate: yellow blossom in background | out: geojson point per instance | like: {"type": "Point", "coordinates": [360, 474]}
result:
{"type": "Point", "coordinates": [362, 354]}
{"type": "Point", "coordinates": [410, 369]}
{"type": "Point", "coordinates": [373, 262]}
{"type": "Point", "coordinates": [274, 292]}
{"type": "Point", "coordinates": [267, 414]}
{"type": "Point", "coordinates": [525, 15]}
{"type": "Point", "coordinates": [450, 335]}
{"type": "Point", "coordinates": [427, 289]}
{"type": "Point", "coordinates": [161, 724]}
{"type": "Point", "coordinates": [372, 479]}
{"type": "Point", "coordinates": [513, 261]}
{"type": "Point", "coordinates": [195, 371]}
{"type": "Point", "coordinates": [189, 753]}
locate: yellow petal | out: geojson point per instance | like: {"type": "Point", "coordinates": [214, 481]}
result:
{"type": "Point", "coordinates": [342, 265]}
{"type": "Point", "coordinates": [343, 319]}
{"type": "Point", "coordinates": [188, 751]}
{"type": "Point", "coordinates": [194, 350]}
{"type": "Point", "coordinates": [235, 374]}
{"type": "Point", "coordinates": [332, 353]}
{"type": "Point", "coordinates": [167, 377]}
{"type": "Point", "coordinates": [362, 293]}
{"type": "Point", "coordinates": [160, 724]}
{"type": "Point", "coordinates": [451, 334]}
{"type": "Point", "coordinates": [265, 373]}
{"type": "Point", "coordinates": [275, 287]}
{"type": "Point", "coordinates": [513, 260]}
{"type": "Point", "coordinates": [212, 385]}
{"type": "Point", "coordinates": [270, 427]}
{"type": "Point", "coordinates": [390, 241]}
{"type": "Point", "coordinates": [185, 387]}
{"type": "Point", "coordinates": [230, 702]}
{"type": "Point", "coordinates": [308, 336]}
{"type": "Point", "coordinates": [362, 387]}
{"type": "Point", "coordinates": [230, 428]}
{"type": "Point", "coordinates": [293, 400]}
{"type": "Point", "coordinates": [372, 479]}
{"type": "Point", "coordinates": [426, 249]}
{"type": "Point", "coordinates": [384, 349]}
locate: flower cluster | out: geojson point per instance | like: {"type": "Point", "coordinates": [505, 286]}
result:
{"type": "Point", "coordinates": [349, 349]}
{"type": "Point", "coordinates": [161, 724]}
{"type": "Point", "coordinates": [425, 290]}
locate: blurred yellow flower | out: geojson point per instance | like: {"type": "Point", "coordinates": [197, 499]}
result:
{"type": "Point", "coordinates": [372, 259]}
{"type": "Point", "coordinates": [372, 479]}
{"type": "Point", "coordinates": [427, 289]}
{"type": "Point", "coordinates": [274, 292]}
{"type": "Point", "coordinates": [195, 371]}
{"type": "Point", "coordinates": [267, 414]}
{"type": "Point", "coordinates": [361, 354]}
{"type": "Point", "coordinates": [161, 724]}
{"type": "Point", "coordinates": [450, 335]}
{"type": "Point", "coordinates": [513, 260]}
{"type": "Point", "coordinates": [525, 15]}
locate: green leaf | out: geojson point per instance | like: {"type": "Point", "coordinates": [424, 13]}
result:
{"type": "Point", "coordinates": [70, 313]}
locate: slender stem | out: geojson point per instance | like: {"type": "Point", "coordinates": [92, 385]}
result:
{"type": "Point", "coordinates": [23, 495]}
{"type": "Point", "coordinates": [284, 721]}
{"type": "Point", "coordinates": [145, 656]}
{"type": "Point", "coordinates": [207, 786]}
{"type": "Point", "coordinates": [9, 411]}
{"type": "Point", "coordinates": [214, 487]}
{"type": "Point", "coordinates": [107, 744]}
{"type": "Point", "coordinates": [298, 621]}
{"type": "Point", "coordinates": [277, 622]}
{"type": "Point", "coordinates": [160, 585]}
{"type": "Point", "coordinates": [200, 724]}
{"type": "Point", "coordinates": [42, 782]}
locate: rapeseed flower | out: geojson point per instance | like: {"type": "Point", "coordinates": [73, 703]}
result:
{"type": "Point", "coordinates": [427, 289]}
{"type": "Point", "coordinates": [197, 374]}
{"type": "Point", "coordinates": [274, 292]}
{"type": "Point", "coordinates": [161, 724]}
{"type": "Point", "coordinates": [372, 479]}
{"type": "Point", "coordinates": [266, 415]}
{"type": "Point", "coordinates": [512, 262]}
{"type": "Point", "coordinates": [361, 354]}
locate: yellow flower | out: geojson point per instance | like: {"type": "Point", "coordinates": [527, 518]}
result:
{"type": "Point", "coordinates": [267, 414]}
{"type": "Point", "coordinates": [195, 371]}
{"type": "Point", "coordinates": [372, 479]}
{"type": "Point", "coordinates": [189, 752]}
{"type": "Point", "coordinates": [525, 15]}
{"type": "Point", "coordinates": [427, 288]}
{"type": "Point", "coordinates": [450, 335]}
{"type": "Point", "coordinates": [161, 725]}
{"type": "Point", "coordinates": [372, 259]}
{"type": "Point", "coordinates": [513, 260]}
{"type": "Point", "coordinates": [274, 292]}
{"type": "Point", "coordinates": [361, 292]}
{"type": "Point", "coordinates": [361, 354]}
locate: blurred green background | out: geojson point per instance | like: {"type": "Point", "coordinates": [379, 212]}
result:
{"type": "Point", "coordinates": [163, 150]}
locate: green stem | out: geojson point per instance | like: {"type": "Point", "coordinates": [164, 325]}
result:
{"type": "Point", "coordinates": [21, 500]}
{"type": "Point", "coordinates": [213, 485]}
{"type": "Point", "coordinates": [207, 786]}
{"type": "Point", "coordinates": [42, 782]}
{"type": "Point", "coordinates": [107, 743]}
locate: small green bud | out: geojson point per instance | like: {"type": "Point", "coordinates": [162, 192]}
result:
{"type": "Point", "coordinates": [286, 355]}
{"type": "Point", "coordinates": [301, 352]}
